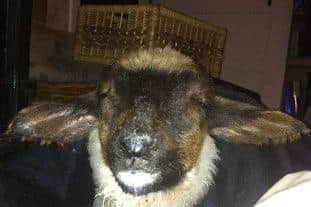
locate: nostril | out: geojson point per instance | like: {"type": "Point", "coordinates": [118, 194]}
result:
{"type": "Point", "coordinates": [122, 143]}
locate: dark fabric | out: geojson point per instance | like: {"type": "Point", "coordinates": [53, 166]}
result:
{"type": "Point", "coordinates": [245, 172]}
{"type": "Point", "coordinates": [62, 177]}
{"type": "Point", "coordinates": [46, 176]}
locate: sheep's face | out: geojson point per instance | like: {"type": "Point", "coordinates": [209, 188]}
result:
{"type": "Point", "coordinates": [151, 128]}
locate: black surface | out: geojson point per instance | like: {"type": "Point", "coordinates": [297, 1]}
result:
{"type": "Point", "coordinates": [109, 1]}
{"type": "Point", "coordinates": [46, 176]}
{"type": "Point", "coordinates": [51, 176]}
{"type": "Point", "coordinates": [246, 172]}
{"type": "Point", "coordinates": [235, 92]}
{"type": "Point", "coordinates": [15, 21]}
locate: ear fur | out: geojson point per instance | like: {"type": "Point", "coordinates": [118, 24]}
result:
{"type": "Point", "coordinates": [54, 122]}
{"type": "Point", "coordinates": [244, 123]}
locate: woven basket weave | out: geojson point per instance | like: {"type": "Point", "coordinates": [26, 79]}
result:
{"type": "Point", "coordinates": [105, 33]}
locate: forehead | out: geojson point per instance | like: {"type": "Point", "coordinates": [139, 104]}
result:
{"type": "Point", "coordinates": [152, 86]}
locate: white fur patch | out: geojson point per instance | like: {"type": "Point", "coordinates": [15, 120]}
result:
{"type": "Point", "coordinates": [136, 179]}
{"type": "Point", "coordinates": [164, 60]}
{"type": "Point", "coordinates": [186, 193]}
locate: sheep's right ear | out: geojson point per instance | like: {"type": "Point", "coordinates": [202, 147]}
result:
{"type": "Point", "coordinates": [54, 122]}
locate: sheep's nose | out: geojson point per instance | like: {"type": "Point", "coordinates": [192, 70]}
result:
{"type": "Point", "coordinates": [136, 145]}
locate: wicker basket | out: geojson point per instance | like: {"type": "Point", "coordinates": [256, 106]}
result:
{"type": "Point", "coordinates": [105, 33]}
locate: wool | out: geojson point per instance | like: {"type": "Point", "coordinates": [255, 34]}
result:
{"type": "Point", "coordinates": [165, 60]}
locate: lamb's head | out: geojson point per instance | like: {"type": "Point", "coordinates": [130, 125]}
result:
{"type": "Point", "coordinates": [152, 123]}
{"type": "Point", "coordinates": [153, 113]}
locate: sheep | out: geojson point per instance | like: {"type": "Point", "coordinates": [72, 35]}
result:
{"type": "Point", "coordinates": [151, 129]}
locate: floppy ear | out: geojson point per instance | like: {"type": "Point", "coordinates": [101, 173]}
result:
{"type": "Point", "coordinates": [239, 122]}
{"type": "Point", "coordinates": [54, 122]}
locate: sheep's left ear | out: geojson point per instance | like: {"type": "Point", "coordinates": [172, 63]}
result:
{"type": "Point", "coordinates": [244, 123]}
